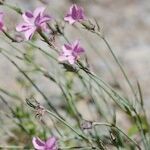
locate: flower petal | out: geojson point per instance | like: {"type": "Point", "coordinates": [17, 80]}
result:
{"type": "Point", "coordinates": [28, 17]}
{"type": "Point", "coordinates": [71, 60]}
{"type": "Point", "coordinates": [69, 19]}
{"type": "Point", "coordinates": [23, 27]}
{"type": "Point", "coordinates": [38, 144]}
{"type": "Point", "coordinates": [77, 49]}
{"type": "Point", "coordinates": [51, 142]}
{"type": "Point", "coordinates": [38, 11]}
{"type": "Point", "coordinates": [1, 21]}
{"type": "Point", "coordinates": [67, 50]}
{"type": "Point", "coordinates": [75, 44]}
{"type": "Point", "coordinates": [74, 12]}
{"type": "Point", "coordinates": [29, 33]}
{"type": "Point", "coordinates": [81, 13]}
{"type": "Point", "coordinates": [80, 50]}
{"type": "Point", "coordinates": [66, 47]}
{"type": "Point", "coordinates": [45, 27]}
{"type": "Point", "coordinates": [45, 19]}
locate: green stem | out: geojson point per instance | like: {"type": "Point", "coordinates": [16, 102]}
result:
{"type": "Point", "coordinates": [9, 36]}
{"type": "Point", "coordinates": [47, 40]}
{"type": "Point", "coordinates": [19, 122]}
{"type": "Point", "coordinates": [115, 58]}
{"type": "Point", "coordinates": [111, 125]}
{"type": "Point", "coordinates": [120, 66]}
{"type": "Point", "coordinates": [68, 98]}
{"type": "Point", "coordinates": [76, 147]}
{"type": "Point", "coordinates": [40, 49]}
{"type": "Point", "coordinates": [34, 85]}
{"type": "Point", "coordinates": [140, 128]}
{"type": "Point", "coordinates": [91, 96]}
{"type": "Point", "coordinates": [16, 9]}
{"type": "Point", "coordinates": [12, 147]}
{"type": "Point", "coordinates": [65, 123]}
{"type": "Point", "coordinates": [103, 84]}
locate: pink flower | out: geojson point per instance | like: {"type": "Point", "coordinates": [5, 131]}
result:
{"type": "Point", "coordinates": [71, 52]}
{"type": "Point", "coordinates": [33, 21]}
{"type": "Point", "coordinates": [50, 144]}
{"type": "Point", "coordinates": [75, 14]}
{"type": "Point", "coordinates": [1, 21]}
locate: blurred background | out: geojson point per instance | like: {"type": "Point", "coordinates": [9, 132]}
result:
{"type": "Point", "coordinates": [126, 25]}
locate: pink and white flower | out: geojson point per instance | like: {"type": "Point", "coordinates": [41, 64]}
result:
{"type": "Point", "coordinates": [71, 52]}
{"type": "Point", "coordinates": [75, 14]}
{"type": "Point", "coordinates": [33, 21]}
{"type": "Point", "coordinates": [49, 144]}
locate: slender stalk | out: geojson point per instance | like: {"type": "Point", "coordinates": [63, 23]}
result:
{"type": "Point", "coordinates": [120, 66]}
{"type": "Point", "coordinates": [65, 123]}
{"type": "Point", "coordinates": [11, 147]}
{"type": "Point", "coordinates": [140, 127]}
{"type": "Point", "coordinates": [14, 114]}
{"type": "Point", "coordinates": [111, 125]}
{"type": "Point", "coordinates": [34, 85]}
{"type": "Point", "coordinates": [142, 104]}
{"type": "Point", "coordinates": [125, 101]}
{"type": "Point", "coordinates": [16, 9]}
{"type": "Point", "coordinates": [114, 56]}
{"type": "Point", "coordinates": [76, 147]}
{"type": "Point", "coordinates": [90, 94]}
{"type": "Point", "coordinates": [68, 98]}
{"type": "Point", "coordinates": [103, 84]}
{"type": "Point", "coordinates": [47, 40]}
{"type": "Point", "coordinates": [41, 50]}
{"type": "Point", "coordinates": [9, 36]}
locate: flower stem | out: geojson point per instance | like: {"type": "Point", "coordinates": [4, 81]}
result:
{"type": "Point", "coordinates": [10, 37]}
{"type": "Point", "coordinates": [34, 85]}
{"type": "Point", "coordinates": [47, 40]}
{"type": "Point", "coordinates": [111, 125]}
{"type": "Point", "coordinates": [120, 66]}
{"type": "Point", "coordinates": [11, 147]}
{"type": "Point", "coordinates": [65, 123]}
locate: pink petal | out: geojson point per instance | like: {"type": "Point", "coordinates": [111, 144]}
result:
{"type": "Point", "coordinates": [66, 51]}
{"type": "Point", "coordinates": [71, 60]}
{"type": "Point", "coordinates": [72, 7]}
{"type": "Point", "coordinates": [81, 13]}
{"type": "Point", "coordinates": [76, 43]}
{"type": "Point", "coordinates": [74, 12]}
{"type": "Point", "coordinates": [69, 19]}
{"type": "Point", "coordinates": [45, 19]}
{"type": "Point", "coordinates": [28, 17]}
{"type": "Point", "coordinates": [29, 33]}
{"type": "Point", "coordinates": [23, 27]}
{"type": "Point", "coordinates": [38, 11]}
{"type": "Point", "coordinates": [38, 144]}
{"type": "Point", "coordinates": [66, 47]}
{"type": "Point", "coordinates": [51, 142]}
{"type": "Point", "coordinates": [77, 49]}
{"type": "Point", "coordinates": [45, 28]}
{"type": "Point", "coordinates": [80, 50]}
{"type": "Point", "coordinates": [1, 21]}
